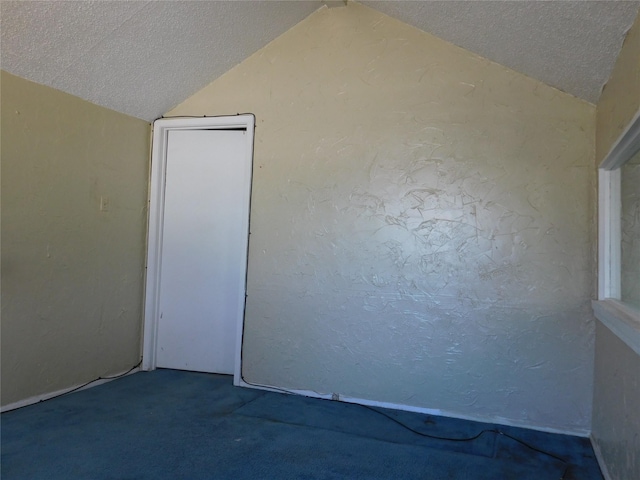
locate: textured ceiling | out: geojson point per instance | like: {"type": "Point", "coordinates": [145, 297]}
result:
{"type": "Point", "coordinates": [570, 45]}
{"type": "Point", "coordinates": [137, 57]}
{"type": "Point", "coordinates": [144, 57]}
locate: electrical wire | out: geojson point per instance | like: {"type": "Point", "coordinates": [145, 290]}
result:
{"type": "Point", "coordinates": [207, 116]}
{"type": "Point", "coordinates": [437, 437]}
{"type": "Point", "coordinates": [466, 439]}
{"type": "Point", "coordinates": [96, 380]}
{"type": "Point", "coordinates": [79, 387]}
{"type": "Point", "coordinates": [475, 437]}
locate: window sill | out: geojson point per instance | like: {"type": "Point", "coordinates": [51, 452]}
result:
{"type": "Point", "coordinates": [621, 319]}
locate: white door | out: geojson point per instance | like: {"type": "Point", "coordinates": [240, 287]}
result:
{"type": "Point", "coordinates": [202, 263]}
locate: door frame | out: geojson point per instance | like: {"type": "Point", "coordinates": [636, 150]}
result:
{"type": "Point", "coordinates": [161, 129]}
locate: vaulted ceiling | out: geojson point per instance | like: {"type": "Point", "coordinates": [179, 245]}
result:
{"type": "Point", "coordinates": [144, 57]}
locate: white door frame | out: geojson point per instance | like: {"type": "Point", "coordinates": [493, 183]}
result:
{"type": "Point", "coordinates": [161, 129]}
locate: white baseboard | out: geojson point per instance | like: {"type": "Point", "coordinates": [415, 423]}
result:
{"type": "Point", "coordinates": [600, 459]}
{"type": "Point", "coordinates": [408, 408]}
{"type": "Point", "coordinates": [47, 396]}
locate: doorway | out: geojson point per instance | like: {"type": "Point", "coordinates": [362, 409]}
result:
{"type": "Point", "coordinates": [197, 248]}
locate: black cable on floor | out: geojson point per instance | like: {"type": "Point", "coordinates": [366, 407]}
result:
{"type": "Point", "coordinates": [468, 439]}
{"type": "Point", "coordinates": [436, 437]}
{"type": "Point", "coordinates": [97, 380]}
{"type": "Point", "coordinates": [79, 387]}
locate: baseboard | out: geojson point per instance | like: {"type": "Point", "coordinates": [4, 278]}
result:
{"type": "Point", "coordinates": [408, 408]}
{"type": "Point", "coordinates": [600, 459]}
{"type": "Point", "coordinates": [47, 396]}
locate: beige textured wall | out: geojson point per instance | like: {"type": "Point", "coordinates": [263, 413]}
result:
{"type": "Point", "coordinates": [71, 274]}
{"type": "Point", "coordinates": [620, 99]}
{"type": "Point", "coordinates": [421, 224]}
{"type": "Point", "coordinates": [616, 401]}
{"type": "Point", "coordinates": [616, 421]}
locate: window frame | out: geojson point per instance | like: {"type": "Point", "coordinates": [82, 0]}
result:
{"type": "Point", "coordinates": [620, 317]}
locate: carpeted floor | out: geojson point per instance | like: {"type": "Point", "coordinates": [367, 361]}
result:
{"type": "Point", "coordinates": [170, 424]}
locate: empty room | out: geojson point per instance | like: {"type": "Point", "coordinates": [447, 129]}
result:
{"type": "Point", "coordinates": [320, 239]}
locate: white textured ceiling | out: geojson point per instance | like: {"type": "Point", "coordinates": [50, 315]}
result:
{"type": "Point", "coordinates": [144, 57]}
{"type": "Point", "coordinates": [570, 45]}
{"type": "Point", "coordinates": [137, 57]}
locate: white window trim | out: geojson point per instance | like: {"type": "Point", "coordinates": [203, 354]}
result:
{"type": "Point", "coordinates": [619, 317]}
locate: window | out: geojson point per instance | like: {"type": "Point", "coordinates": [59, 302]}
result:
{"type": "Point", "coordinates": [618, 304]}
{"type": "Point", "coordinates": [630, 232]}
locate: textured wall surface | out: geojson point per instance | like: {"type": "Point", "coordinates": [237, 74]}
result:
{"type": "Point", "coordinates": [630, 222]}
{"type": "Point", "coordinates": [620, 98]}
{"type": "Point", "coordinates": [71, 274]}
{"type": "Point", "coordinates": [616, 422]}
{"type": "Point", "coordinates": [616, 400]}
{"type": "Point", "coordinates": [421, 223]}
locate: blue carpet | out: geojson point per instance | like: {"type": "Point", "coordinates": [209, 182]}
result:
{"type": "Point", "coordinates": [182, 425]}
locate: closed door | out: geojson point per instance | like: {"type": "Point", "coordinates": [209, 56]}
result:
{"type": "Point", "coordinates": [201, 288]}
